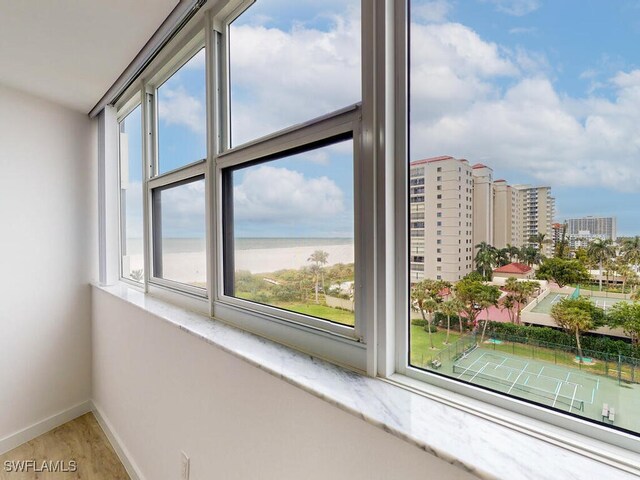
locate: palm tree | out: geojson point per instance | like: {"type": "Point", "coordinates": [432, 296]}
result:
{"type": "Point", "coordinates": [502, 257]}
{"type": "Point", "coordinates": [600, 251]}
{"type": "Point", "coordinates": [514, 252]}
{"type": "Point", "coordinates": [540, 240]}
{"type": "Point", "coordinates": [530, 255]}
{"type": "Point", "coordinates": [425, 298]}
{"type": "Point", "coordinates": [485, 259]}
{"type": "Point", "coordinates": [448, 308]}
{"type": "Point", "coordinates": [631, 250]}
{"type": "Point", "coordinates": [319, 259]}
{"type": "Point", "coordinates": [489, 298]}
{"type": "Point", "coordinates": [572, 319]}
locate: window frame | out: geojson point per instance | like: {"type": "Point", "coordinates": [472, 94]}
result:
{"type": "Point", "coordinates": [133, 102]}
{"type": "Point", "coordinates": [519, 413]}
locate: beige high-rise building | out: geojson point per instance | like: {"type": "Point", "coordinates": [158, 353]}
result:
{"type": "Point", "coordinates": [483, 204]}
{"type": "Point", "coordinates": [507, 227]}
{"type": "Point", "coordinates": [441, 218]}
{"type": "Point", "coordinates": [454, 207]}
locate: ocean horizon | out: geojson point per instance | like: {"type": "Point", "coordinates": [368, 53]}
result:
{"type": "Point", "coordinates": [188, 245]}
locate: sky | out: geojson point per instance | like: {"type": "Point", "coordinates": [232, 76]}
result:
{"type": "Point", "coordinates": [545, 92]}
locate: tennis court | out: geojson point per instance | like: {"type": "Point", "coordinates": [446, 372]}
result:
{"type": "Point", "coordinates": [544, 305]}
{"type": "Point", "coordinates": [556, 386]}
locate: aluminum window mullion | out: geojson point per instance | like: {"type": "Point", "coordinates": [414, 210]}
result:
{"type": "Point", "coordinates": [176, 176]}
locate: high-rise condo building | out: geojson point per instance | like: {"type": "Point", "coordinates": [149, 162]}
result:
{"type": "Point", "coordinates": [441, 218]}
{"type": "Point", "coordinates": [455, 206]}
{"type": "Point", "coordinates": [582, 231]}
{"type": "Point", "coordinates": [536, 208]}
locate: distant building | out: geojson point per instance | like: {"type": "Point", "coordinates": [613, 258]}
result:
{"type": "Point", "coordinates": [582, 231]}
{"type": "Point", "coordinates": [537, 209]}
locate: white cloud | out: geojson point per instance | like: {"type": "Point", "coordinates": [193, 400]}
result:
{"type": "Point", "coordinates": [280, 78]}
{"type": "Point", "coordinates": [183, 210]}
{"type": "Point", "coordinates": [177, 107]}
{"type": "Point", "coordinates": [431, 11]}
{"type": "Point", "coordinates": [516, 8]}
{"type": "Point", "coordinates": [477, 100]}
{"type": "Point", "coordinates": [279, 195]}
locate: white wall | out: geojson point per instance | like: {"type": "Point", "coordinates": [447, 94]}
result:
{"type": "Point", "coordinates": [163, 390]}
{"type": "Point", "coordinates": [46, 249]}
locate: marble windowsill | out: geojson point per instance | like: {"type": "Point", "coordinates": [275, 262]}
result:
{"type": "Point", "coordinates": [491, 444]}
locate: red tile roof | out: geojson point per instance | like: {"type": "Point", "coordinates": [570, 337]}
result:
{"type": "Point", "coordinates": [431, 160]}
{"type": "Point", "coordinates": [499, 181]}
{"type": "Point", "coordinates": [514, 267]}
{"type": "Point", "coordinates": [479, 165]}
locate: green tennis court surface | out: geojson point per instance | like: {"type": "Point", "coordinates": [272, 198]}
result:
{"type": "Point", "coordinates": [557, 386]}
{"type": "Point", "coordinates": [544, 305]}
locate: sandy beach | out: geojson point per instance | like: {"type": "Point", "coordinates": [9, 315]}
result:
{"type": "Point", "coordinates": [190, 267]}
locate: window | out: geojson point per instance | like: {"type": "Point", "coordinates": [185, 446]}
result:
{"type": "Point", "coordinates": [179, 253]}
{"type": "Point", "coordinates": [131, 177]}
{"type": "Point", "coordinates": [289, 232]}
{"type": "Point", "coordinates": [587, 105]}
{"type": "Point", "coordinates": [263, 210]}
{"type": "Point", "coordinates": [182, 125]}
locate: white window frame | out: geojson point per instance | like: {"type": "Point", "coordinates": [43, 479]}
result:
{"type": "Point", "coordinates": [133, 102]}
{"type": "Point", "coordinates": [406, 375]}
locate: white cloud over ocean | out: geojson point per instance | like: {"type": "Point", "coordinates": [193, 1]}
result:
{"type": "Point", "coordinates": [278, 195]}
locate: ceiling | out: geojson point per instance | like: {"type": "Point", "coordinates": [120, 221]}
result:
{"type": "Point", "coordinates": [72, 51]}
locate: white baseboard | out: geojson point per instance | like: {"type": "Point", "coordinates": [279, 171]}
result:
{"type": "Point", "coordinates": [122, 452]}
{"type": "Point", "coordinates": [29, 433]}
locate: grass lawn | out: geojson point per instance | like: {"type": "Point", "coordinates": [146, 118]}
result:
{"type": "Point", "coordinates": [322, 311]}
{"type": "Point", "coordinates": [421, 352]}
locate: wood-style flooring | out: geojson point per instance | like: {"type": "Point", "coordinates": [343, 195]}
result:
{"type": "Point", "coordinates": [81, 442]}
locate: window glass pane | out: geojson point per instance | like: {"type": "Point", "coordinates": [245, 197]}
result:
{"type": "Point", "coordinates": [131, 196]}
{"type": "Point", "coordinates": [182, 116]}
{"type": "Point", "coordinates": [287, 69]}
{"type": "Point", "coordinates": [523, 201]}
{"type": "Point", "coordinates": [290, 233]}
{"type": "Point", "coordinates": [179, 233]}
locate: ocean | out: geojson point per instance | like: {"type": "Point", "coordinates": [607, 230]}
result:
{"type": "Point", "coordinates": [190, 245]}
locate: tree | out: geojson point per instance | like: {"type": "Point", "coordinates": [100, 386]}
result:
{"type": "Point", "coordinates": [600, 251]}
{"type": "Point", "coordinates": [489, 298]}
{"type": "Point", "coordinates": [627, 316]}
{"type": "Point", "coordinates": [631, 250]}
{"type": "Point", "coordinates": [539, 240]}
{"type": "Point", "coordinates": [502, 257]}
{"type": "Point", "coordinates": [426, 298]}
{"type": "Point", "coordinates": [319, 260]}
{"type": "Point", "coordinates": [562, 271]}
{"type": "Point", "coordinates": [519, 293]}
{"type": "Point", "coordinates": [514, 252]}
{"type": "Point", "coordinates": [573, 319]}
{"type": "Point", "coordinates": [561, 249]}
{"type": "Point", "coordinates": [475, 296]}
{"type": "Point", "coordinates": [485, 259]}
{"type": "Point", "coordinates": [624, 271]}
{"type": "Point", "coordinates": [530, 255]}
{"type": "Point", "coordinates": [449, 308]}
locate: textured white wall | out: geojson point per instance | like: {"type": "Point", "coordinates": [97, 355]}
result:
{"type": "Point", "coordinates": [163, 390]}
{"type": "Point", "coordinates": [47, 246]}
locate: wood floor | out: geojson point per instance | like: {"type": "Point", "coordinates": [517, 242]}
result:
{"type": "Point", "coordinates": [80, 442]}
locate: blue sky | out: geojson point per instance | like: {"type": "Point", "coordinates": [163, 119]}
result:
{"type": "Point", "coordinates": [546, 92]}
